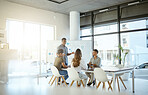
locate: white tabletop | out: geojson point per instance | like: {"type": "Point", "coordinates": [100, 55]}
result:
{"type": "Point", "coordinates": [112, 69]}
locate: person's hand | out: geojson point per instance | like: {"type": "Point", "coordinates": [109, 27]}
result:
{"type": "Point", "coordinates": [63, 54]}
{"type": "Point", "coordinates": [95, 65]}
{"type": "Point", "coordinates": [73, 53]}
{"type": "Point", "coordinates": [90, 65]}
{"type": "Point", "coordinates": [69, 66]}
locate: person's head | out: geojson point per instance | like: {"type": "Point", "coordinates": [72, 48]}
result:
{"type": "Point", "coordinates": [95, 52]}
{"type": "Point", "coordinates": [77, 58]}
{"type": "Point", "coordinates": [60, 52]}
{"type": "Point", "coordinates": [63, 41]}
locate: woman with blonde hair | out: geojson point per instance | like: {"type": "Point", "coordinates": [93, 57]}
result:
{"type": "Point", "coordinates": [78, 64]}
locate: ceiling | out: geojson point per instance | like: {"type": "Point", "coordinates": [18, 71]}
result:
{"type": "Point", "coordinates": [71, 5]}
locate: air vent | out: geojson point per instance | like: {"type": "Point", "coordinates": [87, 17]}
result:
{"type": "Point", "coordinates": [58, 1]}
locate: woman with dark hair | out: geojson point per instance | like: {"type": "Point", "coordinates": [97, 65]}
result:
{"type": "Point", "coordinates": [79, 64]}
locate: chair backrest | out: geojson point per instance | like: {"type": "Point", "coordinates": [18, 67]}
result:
{"type": "Point", "coordinates": [55, 71]}
{"type": "Point", "coordinates": [100, 75]}
{"type": "Point", "coordinates": [73, 74]}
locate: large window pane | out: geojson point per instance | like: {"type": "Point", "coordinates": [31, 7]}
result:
{"type": "Point", "coordinates": [136, 45]}
{"type": "Point", "coordinates": [85, 32]}
{"type": "Point", "coordinates": [30, 40]}
{"type": "Point", "coordinates": [105, 29]}
{"type": "Point", "coordinates": [15, 32]}
{"type": "Point", "coordinates": [107, 46]}
{"type": "Point", "coordinates": [133, 25]}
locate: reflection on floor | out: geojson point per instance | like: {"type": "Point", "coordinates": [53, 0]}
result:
{"type": "Point", "coordinates": [30, 86]}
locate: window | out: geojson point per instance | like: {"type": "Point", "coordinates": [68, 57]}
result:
{"type": "Point", "coordinates": [86, 32]}
{"type": "Point", "coordinates": [135, 46]}
{"type": "Point", "coordinates": [14, 34]}
{"type": "Point", "coordinates": [133, 25]}
{"type": "Point", "coordinates": [105, 29]}
{"type": "Point", "coordinates": [109, 55]}
{"type": "Point", "coordinates": [30, 39]}
{"type": "Point", "coordinates": [135, 43]}
{"type": "Point", "coordinates": [107, 46]}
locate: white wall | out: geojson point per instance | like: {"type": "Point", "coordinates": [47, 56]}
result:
{"type": "Point", "coordinates": [26, 13]}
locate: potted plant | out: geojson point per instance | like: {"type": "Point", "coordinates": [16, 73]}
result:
{"type": "Point", "coordinates": [123, 60]}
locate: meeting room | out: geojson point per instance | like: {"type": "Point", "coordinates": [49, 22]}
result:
{"type": "Point", "coordinates": [73, 47]}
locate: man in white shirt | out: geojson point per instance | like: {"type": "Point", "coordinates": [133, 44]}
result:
{"type": "Point", "coordinates": [95, 61]}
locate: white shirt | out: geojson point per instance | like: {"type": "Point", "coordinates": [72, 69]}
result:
{"type": "Point", "coordinates": [81, 66]}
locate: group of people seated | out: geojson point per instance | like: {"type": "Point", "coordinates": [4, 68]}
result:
{"type": "Point", "coordinates": [77, 63]}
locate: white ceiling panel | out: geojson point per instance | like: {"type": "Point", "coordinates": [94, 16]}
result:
{"type": "Point", "coordinates": [71, 5]}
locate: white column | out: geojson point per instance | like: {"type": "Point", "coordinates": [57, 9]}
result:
{"type": "Point", "coordinates": [74, 25]}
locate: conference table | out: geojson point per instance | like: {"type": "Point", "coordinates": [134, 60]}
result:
{"type": "Point", "coordinates": [114, 71]}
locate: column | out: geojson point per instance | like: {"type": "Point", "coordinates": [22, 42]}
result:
{"type": "Point", "coordinates": [74, 25]}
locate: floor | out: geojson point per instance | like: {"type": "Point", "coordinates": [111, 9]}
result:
{"type": "Point", "coordinates": [33, 86]}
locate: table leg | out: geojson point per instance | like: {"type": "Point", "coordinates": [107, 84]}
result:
{"type": "Point", "coordinates": [114, 81]}
{"type": "Point", "coordinates": [91, 76]}
{"type": "Point", "coordinates": [38, 79]}
{"type": "Point", "coordinates": [133, 83]}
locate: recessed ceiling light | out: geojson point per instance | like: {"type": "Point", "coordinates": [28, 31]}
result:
{"type": "Point", "coordinates": [133, 3]}
{"type": "Point", "coordinates": [104, 10]}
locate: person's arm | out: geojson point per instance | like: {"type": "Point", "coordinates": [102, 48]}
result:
{"type": "Point", "coordinates": [70, 53]}
{"type": "Point", "coordinates": [100, 62]}
{"type": "Point", "coordinates": [63, 64]}
{"type": "Point", "coordinates": [90, 63]}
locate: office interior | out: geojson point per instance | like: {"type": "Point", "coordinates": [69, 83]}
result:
{"type": "Point", "coordinates": [31, 31]}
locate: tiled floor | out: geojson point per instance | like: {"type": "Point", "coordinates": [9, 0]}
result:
{"type": "Point", "coordinates": [29, 86]}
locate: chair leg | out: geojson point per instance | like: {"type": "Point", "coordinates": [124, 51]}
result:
{"type": "Point", "coordinates": [111, 81]}
{"type": "Point", "coordinates": [89, 80]}
{"type": "Point", "coordinates": [77, 84]}
{"type": "Point", "coordinates": [71, 83]}
{"type": "Point", "coordinates": [60, 80]}
{"type": "Point", "coordinates": [110, 87]}
{"type": "Point", "coordinates": [64, 80]}
{"type": "Point", "coordinates": [57, 80]}
{"type": "Point", "coordinates": [53, 81]}
{"type": "Point", "coordinates": [122, 82]}
{"type": "Point", "coordinates": [118, 84]}
{"type": "Point", "coordinates": [98, 84]}
{"type": "Point", "coordinates": [82, 83]}
{"type": "Point", "coordinates": [50, 79]}
{"type": "Point", "coordinates": [103, 85]}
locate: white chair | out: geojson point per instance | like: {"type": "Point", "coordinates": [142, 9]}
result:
{"type": "Point", "coordinates": [101, 76]}
{"type": "Point", "coordinates": [55, 73]}
{"type": "Point", "coordinates": [119, 76]}
{"type": "Point", "coordinates": [74, 76]}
